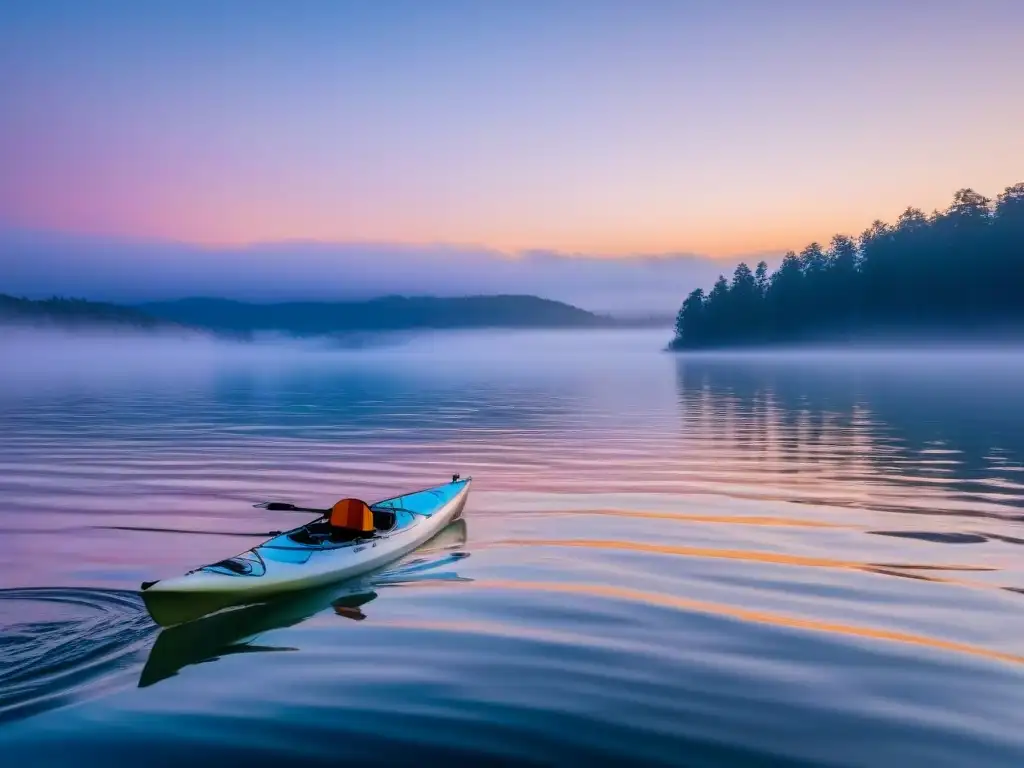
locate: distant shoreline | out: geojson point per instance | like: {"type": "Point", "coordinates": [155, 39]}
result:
{"type": "Point", "coordinates": [897, 340]}
{"type": "Point", "coordinates": [242, 320]}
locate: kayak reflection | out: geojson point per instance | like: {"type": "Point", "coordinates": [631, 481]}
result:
{"type": "Point", "coordinates": [236, 630]}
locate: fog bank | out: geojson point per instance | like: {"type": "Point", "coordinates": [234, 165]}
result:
{"type": "Point", "coordinates": [39, 265]}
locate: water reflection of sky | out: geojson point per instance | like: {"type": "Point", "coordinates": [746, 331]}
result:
{"type": "Point", "coordinates": [561, 410]}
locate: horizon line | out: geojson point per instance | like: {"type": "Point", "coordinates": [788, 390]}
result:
{"type": "Point", "coordinates": [122, 238]}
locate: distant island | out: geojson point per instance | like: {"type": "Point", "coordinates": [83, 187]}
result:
{"type": "Point", "coordinates": [952, 273]}
{"type": "Point", "coordinates": [309, 318]}
{"type": "Point", "coordinates": [235, 318]}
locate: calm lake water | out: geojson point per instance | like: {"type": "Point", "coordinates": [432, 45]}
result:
{"type": "Point", "coordinates": [789, 559]}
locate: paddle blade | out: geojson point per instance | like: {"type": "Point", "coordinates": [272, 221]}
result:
{"type": "Point", "coordinates": [284, 506]}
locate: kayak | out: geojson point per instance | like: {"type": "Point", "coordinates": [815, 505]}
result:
{"type": "Point", "coordinates": [240, 630]}
{"type": "Point", "coordinates": [308, 556]}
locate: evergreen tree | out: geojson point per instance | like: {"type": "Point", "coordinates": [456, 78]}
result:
{"type": "Point", "coordinates": [761, 278]}
{"type": "Point", "coordinates": [690, 320]}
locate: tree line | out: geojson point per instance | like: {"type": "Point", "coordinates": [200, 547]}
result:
{"type": "Point", "coordinates": [64, 311]}
{"type": "Point", "coordinates": [960, 269]}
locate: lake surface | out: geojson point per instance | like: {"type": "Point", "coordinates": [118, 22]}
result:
{"type": "Point", "coordinates": [788, 559]}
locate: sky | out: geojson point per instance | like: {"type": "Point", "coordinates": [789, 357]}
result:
{"type": "Point", "coordinates": [597, 130]}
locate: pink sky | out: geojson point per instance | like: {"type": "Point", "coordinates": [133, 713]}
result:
{"type": "Point", "coordinates": [723, 129]}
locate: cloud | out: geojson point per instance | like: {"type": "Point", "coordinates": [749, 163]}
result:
{"type": "Point", "coordinates": [38, 264]}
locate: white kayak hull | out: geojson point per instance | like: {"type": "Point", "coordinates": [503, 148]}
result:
{"type": "Point", "coordinates": [278, 566]}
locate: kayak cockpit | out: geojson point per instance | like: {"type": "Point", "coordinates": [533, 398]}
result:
{"type": "Point", "coordinates": [322, 534]}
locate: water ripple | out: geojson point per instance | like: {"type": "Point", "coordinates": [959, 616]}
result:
{"type": "Point", "coordinates": [59, 646]}
{"type": "Point", "coordinates": [759, 617]}
{"type": "Point", "coordinates": [800, 561]}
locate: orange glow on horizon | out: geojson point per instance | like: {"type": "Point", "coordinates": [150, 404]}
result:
{"type": "Point", "coordinates": [234, 232]}
{"type": "Point", "coordinates": [225, 226]}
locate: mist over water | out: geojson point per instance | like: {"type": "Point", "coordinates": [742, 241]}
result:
{"type": "Point", "coordinates": [781, 558]}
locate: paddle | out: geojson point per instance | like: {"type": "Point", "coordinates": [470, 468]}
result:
{"type": "Point", "coordinates": [284, 506]}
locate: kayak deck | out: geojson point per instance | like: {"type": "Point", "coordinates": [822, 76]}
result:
{"type": "Point", "coordinates": [390, 516]}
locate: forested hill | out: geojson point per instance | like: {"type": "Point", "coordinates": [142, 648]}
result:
{"type": "Point", "coordinates": [389, 313]}
{"type": "Point", "coordinates": [72, 313]}
{"type": "Point", "coordinates": [308, 318]}
{"type": "Point", "coordinates": [956, 271]}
